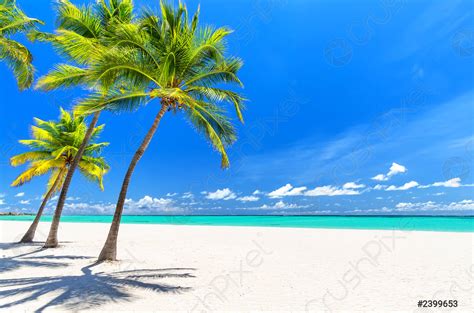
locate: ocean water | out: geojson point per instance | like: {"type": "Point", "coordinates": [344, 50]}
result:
{"type": "Point", "coordinates": [424, 223]}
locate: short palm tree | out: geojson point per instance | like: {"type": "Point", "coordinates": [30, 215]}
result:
{"type": "Point", "coordinates": [53, 148]}
{"type": "Point", "coordinates": [16, 55]}
{"type": "Point", "coordinates": [183, 67]}
{"type": "Point", "coordinates": [82, 36]}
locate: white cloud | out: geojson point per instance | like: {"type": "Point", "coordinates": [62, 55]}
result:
{"type": "Point", "coordinates": [394, 170]}
{"type": "Point", "coordinates": [287, 190]}
{"type": "Point", "coordinates": [143, 206]}
{"type": "Point", "coordinates": [221, 194]}
{"type": "Point", "coordinates": [464, 205]}
{"type": "Point", "coordinates": [171, 194]}
{"type": "Point", "coordinates": [257, 192]}
{"type": "Point", "coordinates": [248, 198]}
{"type": "Point", "coordinates": [379, 187]}
{"type": "Point", "coordinates": [381, 210]}
{"type": "Point", "coordinates": [148, 202]}
{"type": "Point", "coordinates": [330, 191]}
{"type": "Point", "coordinates": [2, 202]}
{"type": "Point", "coordinates": [282, 205]}
{"type": "Point", "coordinates": [405, 186]}
{"type": "Point", "coordinates": [20, 194]}
{"type": "Point", "coordinates": [353, 185]}
{"type": "Point", "coordinates": [24, 201]}
{"type": "Point", "coordinates": [187, 195]}
{"type": "Point", "coordinates": [379, 177]}
{"type": "Point", "coordinates": [451, 183]}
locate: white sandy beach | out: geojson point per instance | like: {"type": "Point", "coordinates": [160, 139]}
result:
{"type": "Point", "coordinates": [206, 269]}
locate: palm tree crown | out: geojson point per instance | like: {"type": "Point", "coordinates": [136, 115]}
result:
{"type": "Point", "coordinates": [16, 55]}
{"type": "Point", "coordinates": [82, 36]}
{"type": "Point", "coordinates": [53, 148]}
{"type": "Point", "coordinates": [170, 58]}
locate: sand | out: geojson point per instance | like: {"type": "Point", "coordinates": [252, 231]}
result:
{"type": "Point", "coordinates": [218, 268]}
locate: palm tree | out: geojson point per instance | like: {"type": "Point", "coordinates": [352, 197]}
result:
{"type": "Point", "coordinates": [82, 36]}
{"type": "Point", "coordinates": [169, 59]}
{"type": "Point", "coordinates": [53, 148]}
{"type": "Point", "coordinates": [16, 55]}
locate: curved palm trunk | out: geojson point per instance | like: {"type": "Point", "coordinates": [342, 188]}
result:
{"type": "Point", "coordinates": [109, 251]}
{"type": "Point", "coordinates": [30, 233]}
{"type": "Point", "coordinates": [52, 241]}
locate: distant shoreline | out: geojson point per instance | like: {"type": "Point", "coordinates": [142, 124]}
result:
{"type": "Point", "coordinates": [15, 214]}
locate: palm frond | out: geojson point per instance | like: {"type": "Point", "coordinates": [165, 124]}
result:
{"type": "Point", "coordinates": [63, 76]}
{"type": "Point", "coordinates": [116, 100]}
{"type": "Point", "coordinates": [19, 59]}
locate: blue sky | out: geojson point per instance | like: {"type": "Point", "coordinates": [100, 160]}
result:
{"type": "Point", "coordinates": [354, 108]}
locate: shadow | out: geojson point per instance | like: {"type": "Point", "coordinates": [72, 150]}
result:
{"type": "Point", "coordinates": [57, 257]}
{"type": "Point", "coordinates": [89, 290]}
{"type": "Point", "coordinates": [17, 245]}
{"type": "Point", "coordinates": [10, 263]}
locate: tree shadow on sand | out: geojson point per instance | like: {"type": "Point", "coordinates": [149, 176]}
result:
{"type": "Point", "coordinates": [10, 263]}
{"type": "Point", "coordinates": [89, 290]}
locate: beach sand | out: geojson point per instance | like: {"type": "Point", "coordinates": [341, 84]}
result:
{"type": "Point", "coordinates": [220, 268]}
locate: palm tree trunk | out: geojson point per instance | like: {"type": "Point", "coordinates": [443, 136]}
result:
{"type": "Point", "coordinates": [109, 251]}
{"type": "Point", "coordinates": [52, 241]}
{"type": "Point", "coordinates": [30, 233]}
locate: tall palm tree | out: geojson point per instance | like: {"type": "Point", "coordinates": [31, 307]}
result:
{"type": "Point", "coordinates": [181, 66]}
{"type": "Point", "coordinates": [16, 55]}
{"type": "Point", "coordinates": [53, 148]}
{"type": "Point", "coordinates": [82, 36]}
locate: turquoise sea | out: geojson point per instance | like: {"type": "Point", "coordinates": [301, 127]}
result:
{"type": "Point", "coordinates": [425, 223]}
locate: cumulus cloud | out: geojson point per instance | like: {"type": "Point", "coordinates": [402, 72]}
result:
{"type": "Point", "coordinates": [331, 191]}
{"type": "Point", "coordinates": [171, 194]}
{"type": "Point", "coordinates": [2, 202]}
{"type": "Point", "coordinates": [148, 202]}
{"type": "Point", "coordinates": [353, 185]}
{"type": "Point", "coordinates": [282, 205]}
{"type": "Point", "coordinates": [248, 198]}
{"type": "Point", "coordinates": [24, 201]}
{"type": "Point", "coordinates": [349, 188]}
{"type": "Point", "coordinates": [221, 194]}
{"type": "Point", "coordinates": [257, 192]}
{"type": "Point", "coordinates": [287, 190]}
{"type": "Point", "coordinates": [20, 194]}
{"type": "Point", "coordinates": [405, 186]}
{"type": "Point", "coordinates": [451, 183]}
{"type": "Point", "coordinates": [394, 170]}
{"type": "Point", "coordinates": [143, 206]}
{"type": "Point", "coordinates": [464, 205]}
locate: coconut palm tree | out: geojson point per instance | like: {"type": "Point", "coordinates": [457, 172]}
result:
{"type": "Point", "coordinates": [179, 66]}
{"type": "Point", "coordinates": [82, 36]}
{"type": "Point", "coordinates": [53, 148]}
{"type": "Point", "coordinates": [16, 55]}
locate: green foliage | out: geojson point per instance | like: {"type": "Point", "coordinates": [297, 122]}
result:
{"type": "Point", "coordinates": [16, 55]}
{"type": "Point", "coordinates": [53, 147]}
{"type": "Point", "coordinates": [83, 35]}
{"type": "Point", "coordinates": [171, 58]}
